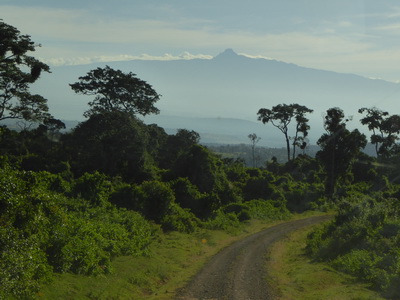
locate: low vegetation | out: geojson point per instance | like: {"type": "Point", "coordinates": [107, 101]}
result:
{"type": "Point", "coordinates": [295, 275]}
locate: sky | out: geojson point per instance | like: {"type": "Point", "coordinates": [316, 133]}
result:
{"type": "Point", "coordinates": [360, 37]}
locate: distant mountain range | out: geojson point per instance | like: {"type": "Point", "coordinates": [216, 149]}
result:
{"type": "Point", "coordinates": [220, 97]}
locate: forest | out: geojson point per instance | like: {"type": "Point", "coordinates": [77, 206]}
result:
{"type": "Point", "coordinates": [73, 201]}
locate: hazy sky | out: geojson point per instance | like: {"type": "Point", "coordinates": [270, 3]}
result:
{"type": "Point", "coordinates": [351, 36]}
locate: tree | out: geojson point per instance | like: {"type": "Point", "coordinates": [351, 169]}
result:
{"type": "Point", "coordinates": [339, 148]}
{"type": "Point", "coordinates": [254, 139]}
{"type": "Point", "coordinates": [176, 145]}
{"type": "Point", "coordinates": [384, 129]}
{"type": "Point", "coordinates": [281, 116]}
{"type": "Point", "coordinates": [113, 143]}
{"type": "Point", "coordinates": [116, 91]}
{"type": "Point", "coordinates": [18, 71]}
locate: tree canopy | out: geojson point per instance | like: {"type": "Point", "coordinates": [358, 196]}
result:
{"type": "Point", "coordinates": [115, 90]}
{"type": "Point", "coordinates": [281, 116]}
{"type": "Point", "coordinates": [385, 129]}
{"type": "Point", "coordinates": [339, 147]}
{"type": "Point", "coordinates": [18, 71]}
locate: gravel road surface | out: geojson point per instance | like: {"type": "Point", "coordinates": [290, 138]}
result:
{"type": "Point", "coordinates": [238, 272]}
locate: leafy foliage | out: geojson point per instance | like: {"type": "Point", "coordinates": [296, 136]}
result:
{"type": "Point", "coordinates": [117, 91]}
{"type": "Point", "coordinates": [363, 240]}
{"type": "Point", "coordinates": [42, 231]}
{"type": "Point", "coordinates": [339, 148]}
{"type": "Point", "coordinates": [18, 71]}
{"type": "Point", "coordinates": [281, 116]}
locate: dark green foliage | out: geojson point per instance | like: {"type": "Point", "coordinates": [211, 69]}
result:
{"type": "Point", "coordinates": [239, 209]}
{"type": "Point", "coordinates": [206, 171]}
{"type": "Point", "coordinates": [113, 143]}
{"type": "Point", "coordinates": [188, 196]}
{"type": "Point", "coordinates": [117, 91]}
{"type": "Point", "coordinates": [339, 148]}
{"type": "Point", "coordinates": [258, 187]}
{"type": "Point", "coordinates": [18, 71]}
{"type": "Point", "coordinates": [281, 116]}
{"type": "Point", "coordinates": [93, 187]}
{"type": "Point", "coordinates": [385, 130]}
{"type": "Point", "coordinates": [127, 196]}
{"type": "Point", "coordinates": [157, 197]}
{"type": "Point", "coordinates": [179, 219]}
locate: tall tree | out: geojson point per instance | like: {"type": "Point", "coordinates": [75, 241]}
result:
{"type": "Point", "coordinates": [281, 116]}
{"type": "Point", "coordinates": [18, 71]}
{"type": "Point", "coordinates": [115, 90]}
{"type": "Point", "coordinates": [339, 148]}
{"type": "Point", "coordinates": [385, 129]}
{"type": "Point", "coordinates": [113, 143]}
{"type": "Point", "coordinates": [254, 139]}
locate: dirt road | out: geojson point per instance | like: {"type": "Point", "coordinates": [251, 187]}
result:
{"type": "Point", "coordinates": [238, 272]}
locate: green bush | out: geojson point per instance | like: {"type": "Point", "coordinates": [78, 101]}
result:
{"type": "Point", "coordinates": [128, 196]}
{"type": "Point", "coordinates": [223, 221]}
{"type": "Point", "coordinates": [267, 209]}
{"type": "Point", "coordinates": [42, 231]}
{"type": "Point", "coordinates": [363, 240]}
{"type": "Point", "coordinates": [179, 219]}
{"type": "Point", "coordinates": [23, 264]}
{"type": "Point", "coordinates": [188, 196]}
{"type": "Point", "coordinates": [157, 197]}
{"type": "Point", "coordinates": [94, 187]}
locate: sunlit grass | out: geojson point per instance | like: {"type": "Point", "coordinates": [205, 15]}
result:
{"type": "Point", "coordinates": [175, 257]}
{"type": "Point", "coordinates": [297, 277]}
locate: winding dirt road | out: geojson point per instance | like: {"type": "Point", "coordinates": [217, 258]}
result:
{"type": "Point", "coordinates": [238, 272]}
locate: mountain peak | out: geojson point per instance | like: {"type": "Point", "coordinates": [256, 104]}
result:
{"type": "Point", "coordinates": [228, 53]}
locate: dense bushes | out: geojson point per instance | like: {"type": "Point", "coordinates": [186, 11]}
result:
{"type": "Point", "coordinates": [42, 231]}
{"type": "Point", "coordinates": [363, 240]}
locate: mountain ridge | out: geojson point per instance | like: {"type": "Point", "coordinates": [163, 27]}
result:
{"type": "Point", "coordinates": [230, 85]}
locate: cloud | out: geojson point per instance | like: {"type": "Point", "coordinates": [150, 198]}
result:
{"type": "Point", "coordinates": [88, 60]}
{"type": "Point", "coordinates": [79, 36]}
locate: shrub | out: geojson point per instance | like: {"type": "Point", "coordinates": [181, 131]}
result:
{"type": "Point", "coordinates": [23, 264]}
{"type": "Point", "coordinates": [240, 210]}
{"type": "Point", "coordinates": [188, 196]}
{"type": "Point", "coordinates": [267, 209]}
{"type": "Point", "coordinates": [157, 197]}
{"type": "Point", "coordinates": [94, 187]}
{"type": "Point", "coordinates": [179, 219]}
{"type": "Point", "coordinates": [222, 221]}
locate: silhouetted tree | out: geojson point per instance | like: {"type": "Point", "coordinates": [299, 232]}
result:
{"type": "Point", "coordinates": [117, 91]}
{"type": "Point", "coordinates": [254, 139]}
{"type": "Point", "coordinates": [339, 147]}
{"type": "Point", "coordinates": [18, 71]}
{"type": "Point", "coordinates": [281, 116]}
{"type": "Point", "coordinates": [385, 129]}
{"type": "Point", "coordinates": [113, 143]}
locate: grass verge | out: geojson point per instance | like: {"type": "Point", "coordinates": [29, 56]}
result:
{"type": "Point", "coordinates": [175, 257]}
{"type": "Point", "coordinates": [297, 277]}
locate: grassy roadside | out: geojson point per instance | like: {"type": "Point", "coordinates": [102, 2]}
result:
{"type": "Point", "coordinates": [174, 259]}
{"type": "Point", "coordinates": [299, 278]}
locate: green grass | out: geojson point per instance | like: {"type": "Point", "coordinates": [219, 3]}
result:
{"type": "Point", "coordinates": [297, 277]}
{"type": "Point", "coordinates": [175, 257]}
